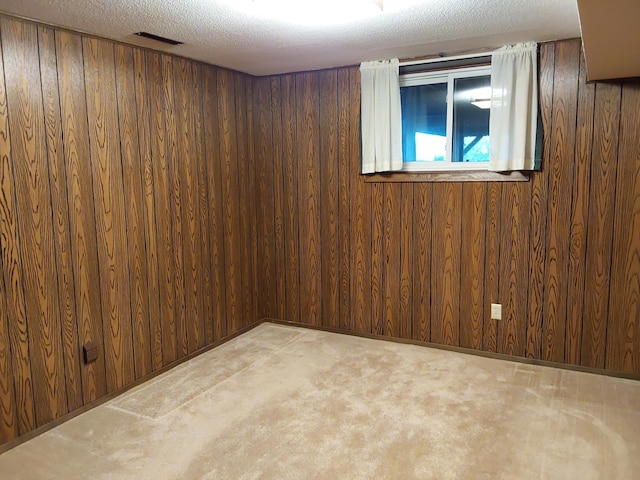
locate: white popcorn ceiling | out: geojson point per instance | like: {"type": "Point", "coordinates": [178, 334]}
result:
{"type": "Point", "coordinates": [222, 33]}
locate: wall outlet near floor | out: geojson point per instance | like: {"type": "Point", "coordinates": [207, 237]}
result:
{"type": "Point", "coordinates": [496, 311]}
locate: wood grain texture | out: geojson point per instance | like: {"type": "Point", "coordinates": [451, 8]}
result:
{"type": "Point", "coordinates": [174, 163]}
{"type": "Point", "coordinates": [84, 248]}
{"type": "Point", "coordinates": [345, 134]}
{"type": "Point", "coordinates": [329, 197]}
{"type": "Point", "coordinates": [406, 263]}
{"type": "Point", "coordinates": [58, 184]}
{"type": "Point", "coordinates": [132, 174]}
{"type": "Point", "coordinates": [492, 265]}
{"type": "Point", "coordinates": [579, 218]}
{"type": "Point", "coordinates": [246, 204]}
{"type": "Point", "coordinates": [445, 263]}
{"type": "Point", "coordinates": [8, 420]}
{"type": "Point", "coordinates": [360, 226]}
{"type": "Point", "coordinates": [561, 162]}
{"type": "Point", "coordinates": [149, 209]}
{"type": "Point", "coordinates": [514, 268]}
{"type": "Point", "coordinates": [214, 192]}
{"type": "Point", "coordinates": [111, 216]}
{"type": "Point", "coordinates": [230, 198]}
{"type": "Point", "coordinates": [156, 151]}
{"type": "Point", "coordinates": [602, 193]}
{"type": "Point", "coordinates": [290, 192]}
{"type": "Point", "coordinates": [623, 333]}
{"type": "Point", "coordinates": [162, 191]}
{"type": "Point", "coordinates": [539, 201]}
{"type": "Point", "coordinates": [250, 198]}
{"type": "Point", "coordinates": [392, 248]}
{"type": "Point", "coordinates": [16, 388]}
{"type": "Point", "coordinates": [187, 170]}
{"type": "Point", "coordinates": [265, 196]}
{"type": "Point", "coordinates": [422, 255]}
{"type": "Point", "coordinates": [377, 258]}
{"type": "Point", "coordinates": [104, 141]}
{"type": "Point", "coordinates": [277, 135]}
{"type": "Point", "coordinates": [474, 205]}
{"type": "Point", "coordinates": [204, 322]}
{"type": "Point", "coordinates": [308, 107]}
{"type": "Point", "coordinates": [35, 215]}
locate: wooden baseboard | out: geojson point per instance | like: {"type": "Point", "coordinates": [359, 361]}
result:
{"type": "Point", "coordinates": [85, 408]}
{"type": "Point", "coordinates": [469, 351]}
{"type": "Point", "coordinates": [500, 356]}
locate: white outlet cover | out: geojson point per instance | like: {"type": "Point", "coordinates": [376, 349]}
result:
{"type": "Point", "coordinates": [496, 311]}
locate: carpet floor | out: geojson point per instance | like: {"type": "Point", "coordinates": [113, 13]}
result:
{"type": "Point", "coordinates": [290, 403]}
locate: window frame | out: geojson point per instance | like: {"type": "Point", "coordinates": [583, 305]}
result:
{"type": "Point", "coordinates": [448, 76]}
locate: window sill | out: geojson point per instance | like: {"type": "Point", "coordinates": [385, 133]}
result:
{"type": "Point", "coordinates": [459, 176]}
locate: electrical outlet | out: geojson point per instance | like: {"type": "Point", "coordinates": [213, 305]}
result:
{"type": "Point", "coordinates": [496, 311]}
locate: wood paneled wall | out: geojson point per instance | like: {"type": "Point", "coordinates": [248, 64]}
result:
{"type": "Point", "coordinates": [127, 216]}
{"type": "Point", "coordinates": [156, 205]}
{"type": "Point", "coordinates": [424, 261]}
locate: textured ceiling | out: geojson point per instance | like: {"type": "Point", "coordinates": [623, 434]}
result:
{"type": "Point", "coordinates": [238, 35]}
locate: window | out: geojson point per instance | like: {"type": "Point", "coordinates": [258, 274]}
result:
{"type": "Point", "coordinates": [445, 119]}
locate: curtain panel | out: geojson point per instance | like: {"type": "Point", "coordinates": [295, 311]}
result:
{"type": "Point", "coordinates": [381, 116]}
{"type": "Point", "coordinates": [514, 108]}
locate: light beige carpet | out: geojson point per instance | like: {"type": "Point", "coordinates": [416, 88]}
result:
{"type": "Point", "coordinates": [289, 403]}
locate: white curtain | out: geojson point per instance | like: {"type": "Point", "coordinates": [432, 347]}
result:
{"type": "Point", "coordinates": [514, 108]}
{"type": "Point", "coordinates": [381, 116]}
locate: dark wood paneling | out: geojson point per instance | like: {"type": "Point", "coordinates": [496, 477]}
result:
{"type": "Point", "coordinates": [344, 134]}
{"type": "Point", "coordinates": [162, 192]}
{"type": "Point", "coordinates": [422, 262]}
{"type": "Point", "coordinates": [111, 216]}
{"type": "Point", "coordinates": [377, 258]}
{"type": "Point", "coordinates": [290, 193]}
{"type": "Point", "coordinates": [623, 334]}
{"type": "Point", "coordinates": [308, 108]}
{"type": "Point", "coordinates": [8, 420]}
{"type": "Point", "coordinates": [445, 263]}
{"type": "Point", "coordinates": [360, 224]}
{"type": "Point", "coordinates": [514, 268]}
{"type": "Point", "coordinates": [176, 202]}
{"type": "Point", "coordinates": [174, 162]}
{"type": "Point", "coordinates": [15, 375]}
{"type": "Point", "coordinates": [601, 221]}
{"type": "Point", "coordinates": [34, 209]}
{"type": "Point", "coordinates": [133, 197]}
{"type": "Point", "coordinates": [329, 129]}
{"type": "Point", "coordinates": [58, 183]}
{"type": "Point", "coordinates": [106, 166]}
{"type": "Point", "coordinates": [539, 201]}
{"type": "Point", "coordinates": [263, 152]}
{"type": "Point", "coordinates": [84, 250]}
{"type": "Point", "coordinates": [204, 322]}
{"type": "Point", "coordinates": [426, 260]}
{"type": "Point", "coordinates": [246, 200]}
{"type": "Point", "coordinates": [215, 235]}
{"type": "Point", "coordinates": [560, 170]}
{"type": "Point", "coordinates": [406, 263]}
{"type": "Point", "coordinates": [474, 205]}
{"type": "Point", "coordinates": [579, 218]}
{"type": "Point", "coordinates": [187, 169]}
{"type": "Point", "coordinates": [277, 134]}
{"type": "Point", "coordinates": [392, 248]}
{"type": "Point", "coordinates": [230, 198]}
{"type": "Point", "coordinates": [492, 265]}
{"type": "Point", "coordinates": [149, 208]}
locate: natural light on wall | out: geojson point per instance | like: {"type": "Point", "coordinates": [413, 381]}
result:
{"type": "Point", "coordinates": [319, 12]}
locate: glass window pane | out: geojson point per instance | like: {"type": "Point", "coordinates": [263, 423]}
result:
{"type": "Point", "coordinates": [471, 104]}
{"type": "Point", "coordinates": [424, 122]}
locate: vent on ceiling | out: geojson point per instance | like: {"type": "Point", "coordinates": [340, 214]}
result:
{"type": "Point", "coordinates": [158, 38]}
